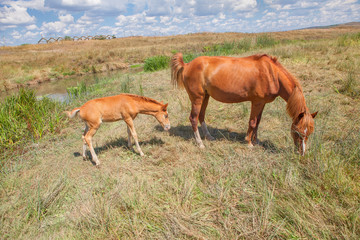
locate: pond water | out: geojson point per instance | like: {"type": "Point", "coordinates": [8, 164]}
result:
{"type": "Point", "coordinates": [57, 89]}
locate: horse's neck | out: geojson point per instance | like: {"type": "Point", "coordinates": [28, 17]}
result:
{"type": "Point", "coordinates": [287, 85]}
{"type": "Point", "coordinates": [292, 93]}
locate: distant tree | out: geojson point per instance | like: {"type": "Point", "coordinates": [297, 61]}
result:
{"type": "Point", "coordinates": [68, 38]}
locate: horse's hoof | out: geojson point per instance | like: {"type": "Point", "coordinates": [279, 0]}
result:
{"type": "Point", "coordinates": [210, 138]}
{"type": "Point", "coordinates": [142, 154]}
{"type": "Point", "coordinates": [201, 146]}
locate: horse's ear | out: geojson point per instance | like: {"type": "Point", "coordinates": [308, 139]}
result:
{"type": "Point", "coordinates": [165, 107]}
{"type": "Point", "coordinates": [314, 114]}
{"type": "Point", "coordinates": [301, 115]}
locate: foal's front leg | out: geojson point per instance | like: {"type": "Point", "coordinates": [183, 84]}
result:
{"type": "Point", "coordinates": [131, 128]}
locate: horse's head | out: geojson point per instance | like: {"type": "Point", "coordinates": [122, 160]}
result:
{"type": "Point", "coordinates": [301, 129]}
{"type": "Point", "coordinates": [163, 118]}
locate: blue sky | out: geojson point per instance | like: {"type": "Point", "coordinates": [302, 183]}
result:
{"type": "Point", "coordinates": [26, 21]}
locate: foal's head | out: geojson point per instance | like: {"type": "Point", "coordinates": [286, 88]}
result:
{"type": "Point", "coordinates": [163, 118]}
{"type": "Point", "coordinates": [301, 129]}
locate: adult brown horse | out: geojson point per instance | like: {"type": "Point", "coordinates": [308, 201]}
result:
{"type": "Point", "coordinates": [259, 79]}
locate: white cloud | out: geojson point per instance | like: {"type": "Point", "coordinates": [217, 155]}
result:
{"type": "Point", "coordinates": [31, 35]}
{"type": "Point", "coordinates": [32, 27]}
{"type": "Point", "coordinates": [15, 15]}
{"type": "Point", "coordinates": [159, 7]}
{"type": "Point", "coordinates": [33, 4]}
{"type": "Point", "coordinates": [66, 18]}
{"type": "Point", "coordinates": [16, 35]}
{"type": "Point", "coordinates": [85, 3]}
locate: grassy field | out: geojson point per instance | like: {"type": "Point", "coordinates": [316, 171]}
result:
{"type": "Point", "coordinates": [177, 191]}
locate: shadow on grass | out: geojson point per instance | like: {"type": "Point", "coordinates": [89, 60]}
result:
{"type": "Point", "coordinates": [117, 143]}
{"type": "Point", "coordinates": [186, 133]}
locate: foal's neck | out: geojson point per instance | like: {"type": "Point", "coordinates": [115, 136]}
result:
{"type": "Point", "coordinates": [148, 108]}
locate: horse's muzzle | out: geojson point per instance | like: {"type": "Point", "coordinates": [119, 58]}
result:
{"type": "Point", "coordinates": [167, 127]}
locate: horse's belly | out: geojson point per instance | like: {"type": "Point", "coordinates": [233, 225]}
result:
{"type": "Point", "coordinates": [229, 95]}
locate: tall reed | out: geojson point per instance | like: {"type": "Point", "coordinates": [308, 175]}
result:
{"type": "Point", "coordinates": [23, 118]}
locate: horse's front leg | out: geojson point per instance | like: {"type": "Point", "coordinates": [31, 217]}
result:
{"type": "Point", "coordinates": [194, 116]}
{"type": "Point", "coordinates": [202, 118]}
{"type": "Point", "coordinates": [255, 117]}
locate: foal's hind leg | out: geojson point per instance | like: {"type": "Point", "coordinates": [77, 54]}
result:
{"type": "Point", "coordinates": [83, 138]}
{"type": "Point", "coordinates": [88, 139]}
{"type": "Point", "coordinates": [255, 117]}
{"type": "Point", "coordinates": [202, 118]}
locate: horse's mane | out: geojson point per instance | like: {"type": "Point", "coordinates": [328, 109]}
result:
{"type": "Point", "coordinates": [146, 99]}
{"type": "Point", "coordinates": [296, 102]}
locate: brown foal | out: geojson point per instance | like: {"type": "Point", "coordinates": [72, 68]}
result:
{"type": "Point", "coordinates": [120, 107]}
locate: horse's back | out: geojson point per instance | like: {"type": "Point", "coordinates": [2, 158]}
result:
{"type": "Point", "coordinates": [230, 79]}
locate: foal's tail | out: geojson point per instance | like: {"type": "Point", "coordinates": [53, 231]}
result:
{"type": "Point", "coordinates": [177, 68]}
{"type": "Point", "coordinates": [72, 113]}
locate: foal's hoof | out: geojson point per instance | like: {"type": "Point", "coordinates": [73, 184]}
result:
{"type": "Point", "coordinates": [142, 154]}
{"type": "Point", "coordinates": [250, 145]}
{"type": "Point", "coordinates": [201, 146]}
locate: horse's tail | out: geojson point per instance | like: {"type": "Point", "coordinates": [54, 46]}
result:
{"type": "Point", "coordinates": [177, 68]}
{"type": "Point", "coordinates": [72, 113]}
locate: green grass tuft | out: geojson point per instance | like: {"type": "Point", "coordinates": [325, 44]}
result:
{"type": "Point", "coordinates": [23, 118]}
{"type": "Point", "coordinates": [156, 63]}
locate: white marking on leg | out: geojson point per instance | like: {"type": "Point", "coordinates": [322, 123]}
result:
{"type": "Point", "coordinates": [198, 139]}
{"type": "Point", "coordinates": [84, 151]}
{"type": "Point", "coordinates": [206, 132]}
{"type": "Point", "coordinates": [303, 145]}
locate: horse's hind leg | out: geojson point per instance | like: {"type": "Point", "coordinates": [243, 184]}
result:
{"type": "Point", "coordinates": [84, 142]}
{"type": "Point", "coordinates": [255, 117]}
{"type": "Point", "coordinates": [202, 118]}
{"type": "Point", "coordinates": [194, 116]}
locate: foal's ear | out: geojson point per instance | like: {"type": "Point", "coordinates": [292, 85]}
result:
{"type": "Point", "coordinates": [165, 107]}
{"type": "Point", "coordinates": [314, 114]}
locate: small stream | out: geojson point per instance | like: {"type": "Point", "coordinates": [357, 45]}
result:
{"type": "Point", "coordinates": [56, 89]}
